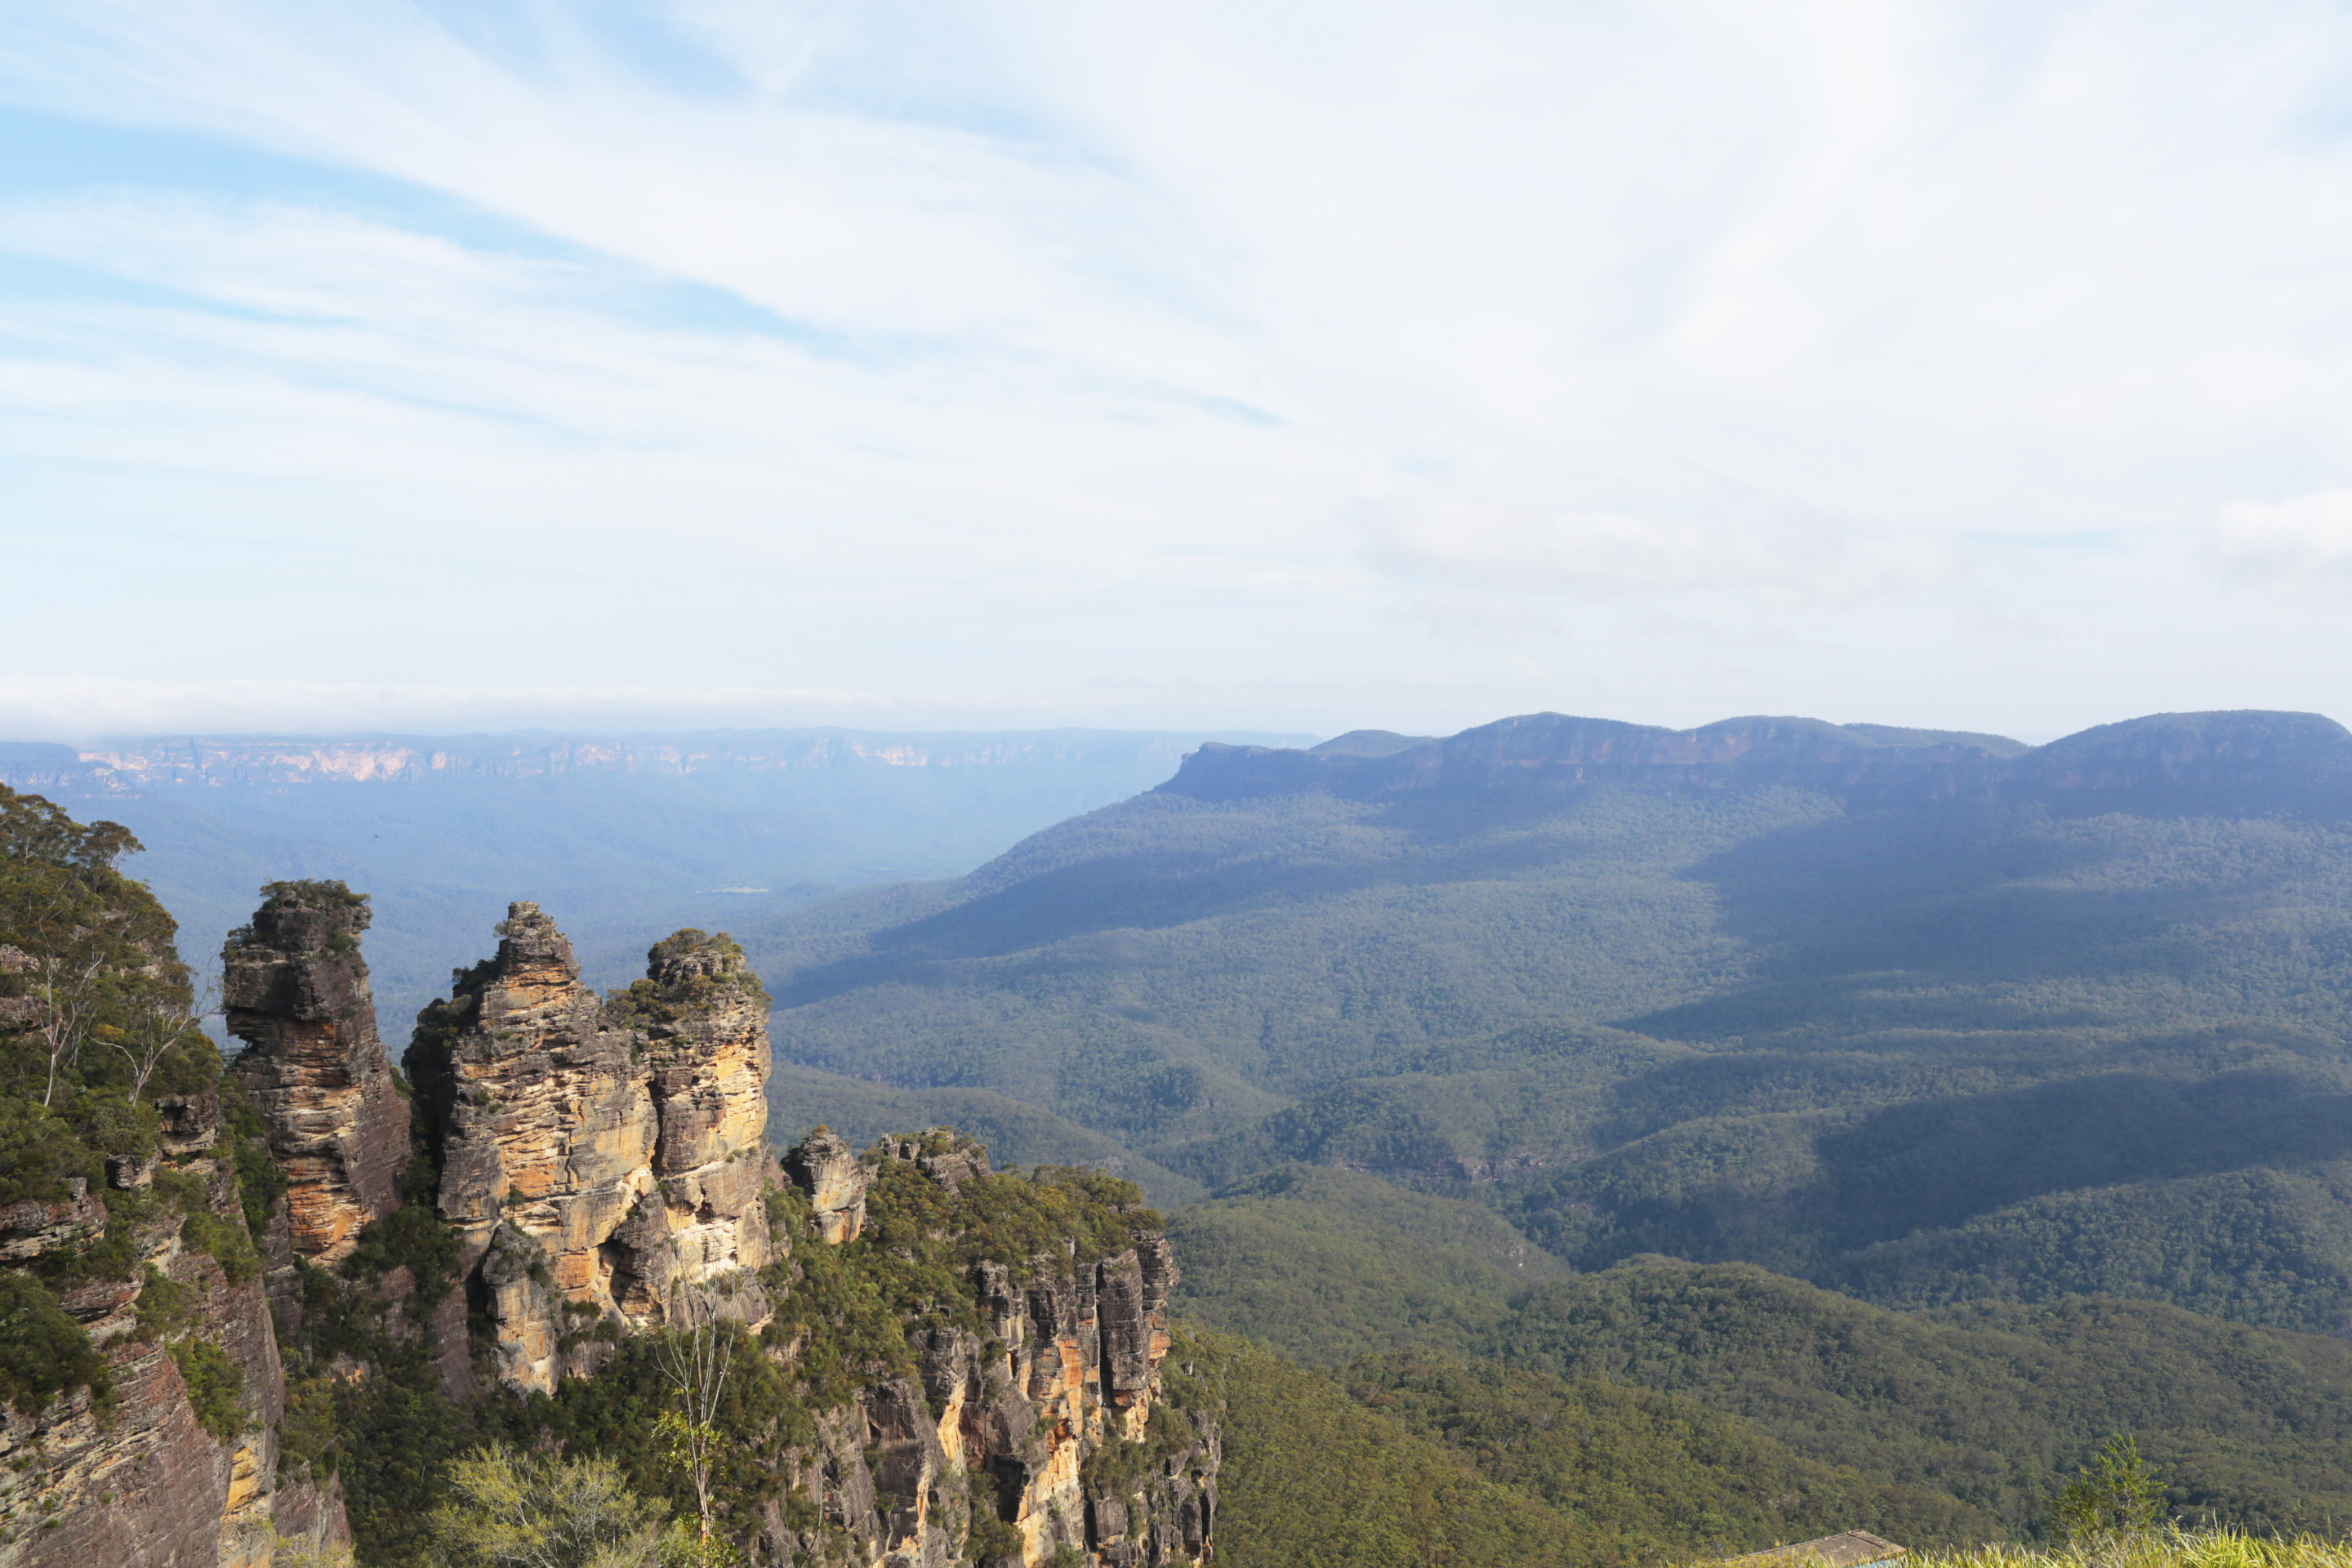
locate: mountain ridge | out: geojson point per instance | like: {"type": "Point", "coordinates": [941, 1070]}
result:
{"type": "Point", "coordinates": [1693, 992]}
{"type": "Point", "coordinates": [1883, 764]}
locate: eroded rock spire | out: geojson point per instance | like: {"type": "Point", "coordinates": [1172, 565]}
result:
{"type": "Point", "coordinates": [594, 1156]}
{"type": "Point", "coordinates": [296, 991]}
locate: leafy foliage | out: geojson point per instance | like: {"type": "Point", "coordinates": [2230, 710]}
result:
{"type": "Point", "coordinates": [95, 1024]}
{"type": "Point", "coordinates": [2115, 1495]}
{"type": "Point", "coordinates": [1990, 1403]}
{"type": "Point", "coordinates": [1989, 1407]}
{"type": "Point", "coordinates": [214, 1383]}
{"type": "Point", "coordinates": [43, 1350]}
{"type": "Point", "coordinates": [1315, 1480]}
{"type": "Point", "coordinates": [1661, 1472]}
{"type": "Point", "coordinates": [542, 1510]}
{"type": "Point", "coordinates": [1325, 1265]}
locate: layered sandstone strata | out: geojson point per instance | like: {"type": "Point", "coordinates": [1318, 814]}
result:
{"type": "Point", "coordinates": [141, 1480]}
{"type": "Point", "coordinates": [595, 1157]}
{"type": "Point", "coordinates": [1001, 1425]}
{"type": "Point", "coordinates": [296, 991]}
{"type": "Point", "coordinates": [823, 1167]}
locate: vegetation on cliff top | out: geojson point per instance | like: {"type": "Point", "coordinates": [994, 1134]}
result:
{"type": "Point", "coordinates": [97, 1033]}
{"type": "Point", "coordinates": [2154, 1548]}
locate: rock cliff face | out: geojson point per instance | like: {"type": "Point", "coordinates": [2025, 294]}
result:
{"type": "Point", "coordinates": [164, 1451]}
{"type": "Point", "coordinates": [592, 1157]}
{"type": "Point", "coordinates": [944, 1364]}
{"type": "Point", "coordinates": [1037, 1431]}
{"type": "Point", "coordinates": [295, 992]}
{"type": "Point", "coordinates": [1552, 749]}
{"type": "Point", "coordinates": [822, 1166]}
{"type": "Point", "coordinates": [162, 1475]}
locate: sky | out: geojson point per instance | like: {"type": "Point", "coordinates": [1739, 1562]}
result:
{"type": "Point", "coordinates": [476, 363]}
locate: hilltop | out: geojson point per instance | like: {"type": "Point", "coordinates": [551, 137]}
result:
{"type": "Point", "coordinates": [1928, 1015]}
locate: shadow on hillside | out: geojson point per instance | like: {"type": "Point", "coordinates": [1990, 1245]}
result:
{"type": "Point", "coordinates": [1951, 919]}
{"type": "Point", "coordinates": [1720, 1190]}
{"type": "Point", "coordinates": [1429, 841]}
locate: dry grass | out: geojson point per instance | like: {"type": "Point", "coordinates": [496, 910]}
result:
{"type": "Point", "coordinates": [2161, 1548]}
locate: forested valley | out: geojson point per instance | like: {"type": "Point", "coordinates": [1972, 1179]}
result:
{"type": "Point", "coordinates": [1562, 1142]}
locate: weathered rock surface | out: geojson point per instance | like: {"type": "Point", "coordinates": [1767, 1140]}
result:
{"type": "Point", "coordinates": [1011, 1424]}
{"type": "Point", "coordinates": [593, 1156]}
{"type": "Point", "coordinates": [144, 1484]}
{"type": "Point", "coordinates": [706, 1020]}
{"type": "Point", "coordinates": [824, 1167]}
{"type": "Point", "coordinates": [30, 1229]}
{"type": "Point", "coordinates": [296, 991]}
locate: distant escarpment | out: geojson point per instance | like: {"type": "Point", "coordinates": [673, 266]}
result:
{"type": "Point", "coordinates": [2276, 759]}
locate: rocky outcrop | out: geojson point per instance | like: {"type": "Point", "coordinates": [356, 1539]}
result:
{"type": "Point", "coordinates": [154, 1476]}
{"type": "Point", "coordinates": [705, 1018]}
{"type": "Point", "coordinates": [595, 1157]}
{"type": "Point", "coordinates": [295, 988]}
{"type": "Point", "coordinates": [823, 1167]}
{"type": "Point", "coordinates": [1041, 1429]}
{"type": "Point", "coordinates": [32, 1228]}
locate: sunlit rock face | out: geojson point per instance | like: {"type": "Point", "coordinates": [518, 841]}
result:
{"type": "Point", "coordinates": [1006, 1419]}
{"type": "Point", "coordinates": [295, 987]}
{"type": "Point", "coordinates": [826, 1167]}
{"type": "Point", "coordinates": [705, 1023]}
{"type": "Point", "coordinates": [594, 1156]}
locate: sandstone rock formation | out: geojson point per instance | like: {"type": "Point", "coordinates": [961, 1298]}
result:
{"type": "Point", "coordinates": [595, 1157]}
{"type": "Point", "coordinates": [296, 991]}
{"type": "Point", "coordinates": [145, 1482]}
{"type": "Point", "coordinates": [991, 1451]}
{"type": "Point", "coordinates": [822, 1166]}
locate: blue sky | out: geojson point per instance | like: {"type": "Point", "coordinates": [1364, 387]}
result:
{"type": "Point", "coordinates": [377, 364]}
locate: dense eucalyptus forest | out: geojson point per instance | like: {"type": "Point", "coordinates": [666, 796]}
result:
{"type": "Point", "coordinates": [1572, 1141]}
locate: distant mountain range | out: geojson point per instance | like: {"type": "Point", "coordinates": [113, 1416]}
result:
{"type": "Point", "coordinates": [1927, 1016]}
{"type": "Point", "coordinates": [1637, 1139]}
{"type": "Point", "coordinates": [625, 837]}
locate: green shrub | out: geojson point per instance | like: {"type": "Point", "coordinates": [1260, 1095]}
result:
{"type": "Point", "coordinates": [43, 1350]}
{"type": "Point", "coordinates": [164, 1305]}
{"type": "Point", "coordinates": [543, 1510]}
{"type": "Point", "coordinates": [2115, 1495]}
{"type": "Point", "coordinates": [225, 1242]}
{"type": "Point", "coordinates": [413, 1237]}
{"type": "Point", "coordinates": [214, 1383]}
{"type": "Point", "coordinates": [991, 1537]}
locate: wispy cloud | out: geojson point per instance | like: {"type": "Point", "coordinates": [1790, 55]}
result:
{"type": "Point", "coordinates": [909, 348]}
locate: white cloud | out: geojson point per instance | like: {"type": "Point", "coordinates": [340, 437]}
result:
{"type": "Point", "coordinates": [2302, 537]}
{"type": "Point", "coordinates": [1071, 332]}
